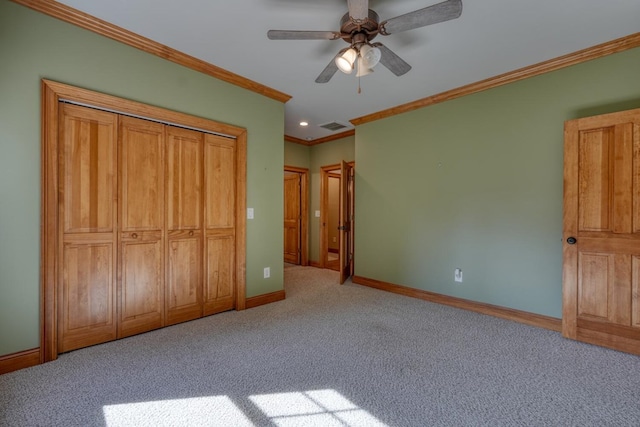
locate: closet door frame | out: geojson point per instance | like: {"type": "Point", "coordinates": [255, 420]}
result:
{"type": "Point", "coordinates": [54, 92]}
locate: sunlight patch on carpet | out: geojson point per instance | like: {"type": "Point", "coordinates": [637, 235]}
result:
{"type": "Point", "coordinates": [196, 411]}
{"type": "Point", "coordinates": [325, 408]}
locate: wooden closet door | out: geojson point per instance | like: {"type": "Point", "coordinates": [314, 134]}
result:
{"type": "Point", "coordinates": [87, 226]}
{"type": "Point", "coordinates": [292, 218]}
{"type": "Point", "coordinates": [601, 276]}
{"type": "Point", "coordinates": [141, 270]}
{"type": "Point", "coordinates": [184, 224]}
{"type": "Point", "coordinates": [220, 226]}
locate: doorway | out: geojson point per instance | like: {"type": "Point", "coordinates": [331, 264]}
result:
{"type": "Point", "coordinates": [336, 218]}
{"type": "Point", "coordinates": [296, 182]}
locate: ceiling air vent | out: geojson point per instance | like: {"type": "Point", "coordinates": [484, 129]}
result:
{"type": "Point", "coordinates": [334, 126]}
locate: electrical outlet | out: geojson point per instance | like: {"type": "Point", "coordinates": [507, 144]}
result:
{"type": "Point", "coordinates": [317, 214]}
{"type": "Point", "coordinates": [457, 275]}
{"type": "Point", "coordinates": [267, 272]}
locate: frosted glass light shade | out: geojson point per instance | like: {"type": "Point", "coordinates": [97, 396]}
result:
{"type": "Point", "coordinates": [346, 60]}
{"type": "Point", "coordinates": [370, 55]}
{"type": "Point", "coordinates": [363, 70]}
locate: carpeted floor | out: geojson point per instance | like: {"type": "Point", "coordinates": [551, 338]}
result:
{"type": "Point", "coordinates": [332, 355]}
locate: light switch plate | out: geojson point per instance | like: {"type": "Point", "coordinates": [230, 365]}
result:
{"type": "Point", "coordinates": [249, 213]}
{"type": "Point", "coordinates": [317, 214]}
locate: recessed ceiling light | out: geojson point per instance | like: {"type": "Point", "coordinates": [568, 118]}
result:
{"type": "Point", "coordinates": [304, 123]}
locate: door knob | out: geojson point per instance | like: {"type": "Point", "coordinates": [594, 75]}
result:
{"type": "Point", "coordinates": [571, 240]}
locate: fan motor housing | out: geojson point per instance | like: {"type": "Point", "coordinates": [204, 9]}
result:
{"type": "Point", "coordinates": [350, 27]}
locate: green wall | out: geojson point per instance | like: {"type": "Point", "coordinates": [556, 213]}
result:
{"type": "Point", "coordinates": [476, 183]}
{"type": "Point", "coordinates": [34, 46]}
{"type": "Point", "coordinates": [297, 155]}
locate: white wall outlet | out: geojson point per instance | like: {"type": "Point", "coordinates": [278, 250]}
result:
{"type": "Point", "coordinates": [267, 272]}
{"type": "Point", "coordinates": [457, 275]}
{"type": "Point", "coordinates": [317, 214]}
{"type": "Point", "coordinates": [249, 213]}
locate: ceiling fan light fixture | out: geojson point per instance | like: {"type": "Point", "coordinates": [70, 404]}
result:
{"type": "Point", "coordinates": [370, 55]}
{"type": "Point", "coordinates": [346, 60]}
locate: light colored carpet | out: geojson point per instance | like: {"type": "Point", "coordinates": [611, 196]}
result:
{"type": "Point", "coordinates": [332, 355]}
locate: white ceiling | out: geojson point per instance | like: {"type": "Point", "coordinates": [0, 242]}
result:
{"type": "Point", "coordinates": [490, 38]}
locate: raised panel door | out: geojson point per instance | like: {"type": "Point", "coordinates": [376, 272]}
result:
{"type": "Point", "coordinates": [142, 226]}
{"type": "Point", "coordinates": [601, 238]}
{"type": "Point", "coordinates": [220, 227]}
{"type": "Point", "coordinates": [184, 225]}
{"type": "Point", "coordinates": [292, 218]}
{"type": "Point", "coordinates": [345, 235]}
{"type": "Point", "coordinates": [86, 311]}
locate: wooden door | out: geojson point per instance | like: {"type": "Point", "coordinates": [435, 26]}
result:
{"type": "Point", "coordinates": [346, 221]}
{"type": "Point", "coordinates": [142, 267]}
{"type": "Point", "coordinates": [87, 212]}
{"type": "Point", "coordinates": [292, 218]}
{"type": "Point", "coordinates": [184, 224]}
{"type": "Point", "coordinates": [601, 269]}
{"type": "Point", "coordinates": [219, 223]}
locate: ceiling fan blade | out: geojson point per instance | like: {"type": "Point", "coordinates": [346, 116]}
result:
{"type": "Point", "coordinates": [358, 9]}
{"type": "Point", "coordinates": [329, 70]}
{"type": "Point", "coordinates": [302, 35]}
{"type": "Point", "coordinates": [392, 61]}
{"type": "Point", "coordinates": [450, 9]}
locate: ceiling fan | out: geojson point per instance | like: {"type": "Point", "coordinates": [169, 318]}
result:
{"type": "Point", "coordinates": [359, 26]}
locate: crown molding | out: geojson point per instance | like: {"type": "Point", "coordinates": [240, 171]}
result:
{"type": "Point", "coordinates": [106, 29]}
{"type": "Point", "coordinates": [598, 51]}
{"type": "Point", "coordinates": [345, 134]}
{"type": "Point", "coordinates": [296, 140]}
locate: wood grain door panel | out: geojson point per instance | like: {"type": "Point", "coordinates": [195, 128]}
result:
{"type": "Point", "coordinates": [345, 213]}
{"type": "Point", "coordinates": [601, 211]}
{"type": "Point", "coordinates": [141, 174]}
{"type": "Point", "coordinates": [87, 169]}
{"type": "Point", "coordinates": [184, 184]}
{"type": "Point", "coordinates": [142, 226]}
{"type": "Point", "coordinates": [88, 297]}
{"type": "Point", "coordinates": [86, 312]}
{"type": "Point", "coordinates": [292, 218]}
{"type": "Point", "coordinates": [220, 274]}
{"type": "Point", "coordinates": [220, 188]}
{"type": "Point", "coordinates": [141, 283]}
{"type": "Point", "coordinates": [184, 179]}
{"type": "Point", "coordinates": [184, 277]}
{"type": "Point", "coordinates": [220, 224]}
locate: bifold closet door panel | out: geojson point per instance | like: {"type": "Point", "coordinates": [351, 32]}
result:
{"type": "Point", "coordinates": [141, 267]}
{"type": "Point", "coordinates": [86, 308]}
{"type": "Point", "coordinates": [220, 226]}
{"type": "Point", "coordinates": [220, 281]}
{"type": "Point", "coordinates": [184, 176]}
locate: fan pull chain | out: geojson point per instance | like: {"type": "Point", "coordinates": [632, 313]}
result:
{"type": "Point", "coordinates": [359, 90]}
